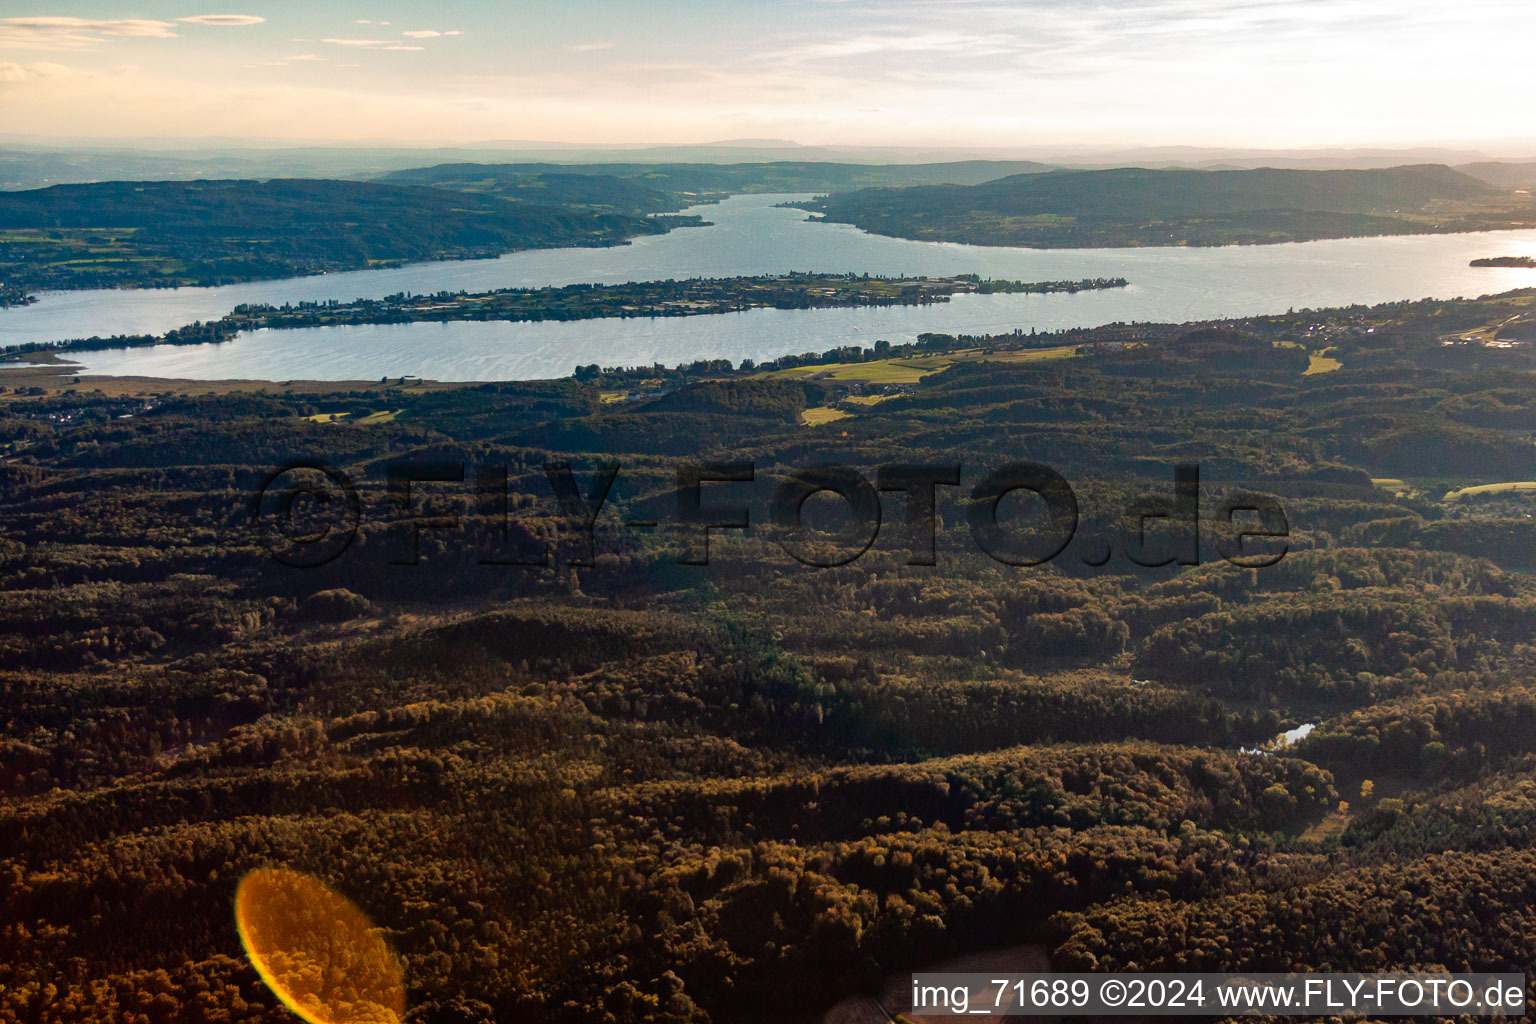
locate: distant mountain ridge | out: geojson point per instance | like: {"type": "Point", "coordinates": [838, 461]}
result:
{"type": "Point", "coordinates": [711, 179]}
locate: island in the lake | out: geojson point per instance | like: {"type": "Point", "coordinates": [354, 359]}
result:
{"type": "Point", "coordinates": [1506, 261]}
{"type": "Point", "coordinates": [693, 297]}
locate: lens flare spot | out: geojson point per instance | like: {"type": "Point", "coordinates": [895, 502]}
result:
{"type": "Point", "coordinates": [317, 951]}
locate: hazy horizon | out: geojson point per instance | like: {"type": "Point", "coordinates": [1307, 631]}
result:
{"type": "Point", "coordinates": [1038, 77]}
{"type": "Point", "coordinates": [1428, 150]}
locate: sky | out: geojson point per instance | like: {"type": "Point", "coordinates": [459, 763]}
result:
{"type": "Point", "coordinates": [934, 73]}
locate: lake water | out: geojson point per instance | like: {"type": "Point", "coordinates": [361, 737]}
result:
{"type": "Point", "coordinates": [752, 236]}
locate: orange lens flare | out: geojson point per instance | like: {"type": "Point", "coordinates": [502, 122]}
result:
{"type": "Point", "coordinates": [317, 951]}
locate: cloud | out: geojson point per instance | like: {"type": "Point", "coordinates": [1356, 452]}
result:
{"type": "Point", "coordinates": [957, 72]}
{"type": "Point", "coordinates": [224, 20]}
{"type": "Point", "coordinates": [371, 44]}
{"type": "Point", "coordinates": [48, 32]}
{"type": "Point", "coordinates": [11, 72]}
{"type": "Point", "coordinates": [882, 46]}
{"type": "Point", "coordinates": [305, 56]}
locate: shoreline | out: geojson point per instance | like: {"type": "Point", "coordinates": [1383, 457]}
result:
{"type": "Point", "coordinates": [1428, 233]}
{"type": "Point", "coordinates": [43, 294]}
{"type": "Point", "coordinates": [55, 376]}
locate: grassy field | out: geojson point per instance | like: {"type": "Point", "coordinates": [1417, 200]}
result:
{"type": "Point", "coordinates": [1320, 364]}
{"type": "Point", "coordinates": [907, 370]}
{"type": "Point", "coordinates": [1416, 488]}
{"type": "Point", "coordinates": [887, 371]}
{"type": "Point", "coordinates": [825, 414]}
{"type": "Point", "coordinates": [382, 416]}
{"type": "Point", "coordinates": [48, 374]}
{"type": "Point", "coordinates": [910, 370]}
{"type": "Point", "coordinates": [1031, 355]}
{"type": "Point", "coordinates": [1500, 488]}
{"type": "Point", "coordinates": [881, 371]}
{"type": "Point", "coordinates": [87, 251]}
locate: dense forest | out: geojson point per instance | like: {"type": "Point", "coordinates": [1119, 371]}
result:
{"type": "Point", "coordinates": [1137, 206]}
{"type": "Point", "coordinates": [603, 784]}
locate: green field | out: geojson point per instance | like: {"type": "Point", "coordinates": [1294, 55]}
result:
{"type": "Point", "coordinates": [1398, 487]}
{"type": "Point", "coordinates": [826, 414]}
{"type": "Point", "coordinates": [373, 418]}
{"type": "Point", "coordinates": [1500, 488]}
{"type": "Point", "coordinates": [910, 370]}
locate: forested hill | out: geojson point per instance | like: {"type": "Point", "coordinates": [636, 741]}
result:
{"type": "Point", "coordinates": [1175, 192]}
{"type": "Point", "coordinates": [614, 788]}
{"type": "Point", "coordinates": [1137, 206]}
{"type": "Point", "coordinates": [685, 180]}
{"type": "Point", "coordinates": [208, 232]}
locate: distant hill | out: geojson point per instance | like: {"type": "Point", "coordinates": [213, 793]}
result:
{"type": "Point", "coordinates": [687, 181]}
{"type": "Point", "coordinates": [206, 232]}
{"type": "Point", "coordinates": [27, 167]}
{"type": "Point", "coordinates": [1507, 175]}
{"type": "Point", "coordinates": [36, 162]}
{"type": "Point", "coordinates": [592, 188]}
{"type": "Point", "coordinates": [1138, 206]}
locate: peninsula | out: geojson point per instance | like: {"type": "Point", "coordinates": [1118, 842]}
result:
{"type": "Point", "coordinates": [1134, 206]}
